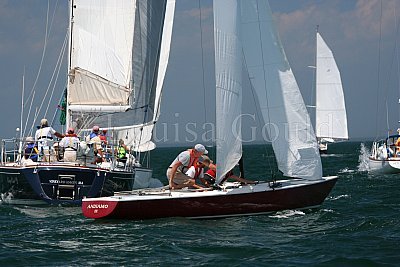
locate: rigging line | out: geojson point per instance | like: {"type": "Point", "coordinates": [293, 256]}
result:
{"type": "Point", "coordinates": [48, 88]}
{"type": "Point", "coordinates": [43, 52]}
{"type": "Point", "coordinates": [397, 57]}
{"type": "Point", "coordinates": [202, 63]}
{"type": "Point", "coordinates": [395, 52]}
{"type": "Point", "coordinates": [58, 67]}
{"type": "Point", "coordinates": [31, 129]}
{"type": "Point", "coordinates": [265, 78]}
{"type": "Point", "coordinates": [259, 115]}
{"type": "Point", "coordinates": [262, 58]}
{"type": "Point", "coordinates": [379, 70]}
{"type": "Point", "coordinates": [22, 105]}
{"type": "Point", "coordinates": [29, 113]}
{"type": "Point", "coordinates": [48, 30]}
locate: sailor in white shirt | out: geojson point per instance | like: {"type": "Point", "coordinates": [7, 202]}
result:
{"type": "Point", "coordinates": [44, 137]}
{"type": "Point", "coordinates": [70, 143]}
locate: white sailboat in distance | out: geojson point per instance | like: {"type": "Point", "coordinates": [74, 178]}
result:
{"type": "Point", "coordinates": [330, 108]}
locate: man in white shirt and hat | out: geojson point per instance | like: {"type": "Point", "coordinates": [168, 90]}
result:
{"type": "Point", "coordinates": [44, 137]}
{"type": "Point", "coordinates": [186, 159]}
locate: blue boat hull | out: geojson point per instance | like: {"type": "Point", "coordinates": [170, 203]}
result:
{"type": "Point", "coordinates": [57, 184]}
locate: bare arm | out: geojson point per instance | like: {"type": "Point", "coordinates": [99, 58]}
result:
{"type": "Point", "coordinates": [59, 135]}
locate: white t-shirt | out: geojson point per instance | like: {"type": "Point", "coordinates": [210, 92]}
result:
{"type": "Point", "coordinates": [192, 172]}
{"type": "Point", "coordinates": [184, 158]}
{"type": "Point", "coordinates": [43, 135]}
{"type": "Point", "coordinates": [70, 141]}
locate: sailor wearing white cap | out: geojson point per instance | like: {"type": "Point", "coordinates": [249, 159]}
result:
{"type": "Point", "coordinates": [185, 160]}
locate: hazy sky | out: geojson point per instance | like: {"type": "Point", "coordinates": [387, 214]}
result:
{"type": "Point", "coordinates": [362, 37]}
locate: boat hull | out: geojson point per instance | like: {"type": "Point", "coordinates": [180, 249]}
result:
{"type": "Point", "coordinates": [388, 166]}
{"type": "Point", "coordinates": [244, 200]}
{"type": "Point", "coordinates": [63, 184]}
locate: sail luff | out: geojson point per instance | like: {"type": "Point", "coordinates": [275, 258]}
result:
{"type": "Point", "coordinates": [228, 75]}
{"type": "Point", "coordinates": [286, 119]}
{"type": "Point", "coordinates": [330, 115]}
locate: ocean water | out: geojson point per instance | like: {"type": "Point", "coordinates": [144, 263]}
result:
{"type": "Point", "coordinates": [358, 225]}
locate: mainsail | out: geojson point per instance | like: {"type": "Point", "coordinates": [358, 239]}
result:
{"type": "Point", "coordinates": [282, 106]}
{"type": "Point", "coordinates": [119, 56]}
{"type": "Point", "coordinates": [330, 115]}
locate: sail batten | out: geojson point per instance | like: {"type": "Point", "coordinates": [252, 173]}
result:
{"type": "Point", "coordinates": [330, 118]}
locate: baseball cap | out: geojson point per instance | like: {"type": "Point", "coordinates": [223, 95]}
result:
{"type": "Point", "coordinates": [201, 148]}
{"type": "Point", "coordinates": [44, 122]}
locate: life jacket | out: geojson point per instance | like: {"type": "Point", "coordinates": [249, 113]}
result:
{"type": "Point", "coordinates": [192, 162]}
{"type": "Point", "coordinates": [70, 143]}
{"type": "Point", "coordinates": [31, 152]}
{"type": "Point", "coordinates": [121, 152]}
{"type": "Point", "coordinates": [197, 171]}
{"type": "Point", "coordinates": [212, 173]}
{"type": "Point", "coordinates": [92, 135]}
{"type": "Point", "coordinates": [48, 136]}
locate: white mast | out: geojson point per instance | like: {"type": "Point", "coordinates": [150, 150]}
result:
{"type": "Point", "coordinates": [71, 13]}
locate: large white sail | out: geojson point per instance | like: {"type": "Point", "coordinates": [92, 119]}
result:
{"type": "Point", "coordinates": [228, 75]}
{"type": "Point", "coordinates": [146, 34]}
{"type": "Point", "coordinates": [286, 119]}
{"type": "Point", "coordinates": [148, 87]}
{"type": "Point", "coordinates": [101, 52]}
{"type": "Point", "coordinates": [331, 119]}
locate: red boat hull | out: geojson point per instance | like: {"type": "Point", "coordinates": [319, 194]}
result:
{"type": "Point", "coordinates": [295, 197]}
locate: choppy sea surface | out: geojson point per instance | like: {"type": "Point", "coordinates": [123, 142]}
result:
{"type": "Point", "coordinates": [358, 225]}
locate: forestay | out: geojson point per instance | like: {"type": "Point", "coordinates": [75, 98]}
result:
{"type": "Point", "coordinates": [331, 119]}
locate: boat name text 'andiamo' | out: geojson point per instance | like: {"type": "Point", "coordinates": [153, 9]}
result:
{"type": "Point", "coordinates": [97, 206]}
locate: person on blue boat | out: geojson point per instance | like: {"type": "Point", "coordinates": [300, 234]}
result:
{"type": "Point", "coordinates": [121, 151]}
{"type": "Point", "coordinates": [31, 150]}
{"type": "Point", "coordinates": [70, 143]}
{"type": "Point", "coordinates": [94, 139]}
{"type": "Point", "coordinates": [44, 137]}
{"type": "Point", "coordinates": [177, 169]}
